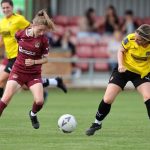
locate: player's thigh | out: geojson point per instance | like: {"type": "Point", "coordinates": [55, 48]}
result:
{"type": "Point", "coordinates": [3, 77]}
{"type": "Point", "coordinates": [144, 90]}
{"type": "Point", "coordinates": [2, 67]}
{"type": "Point", "coordinates": [10, 89]}
{"type": "Point", "coordinates": [37, 91]}
{"type": "Point", "coordinates": [111, 92]}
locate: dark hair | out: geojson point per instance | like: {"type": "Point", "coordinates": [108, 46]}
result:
{"type": "Point", "coordinates": [129, 12]}
{"type": "Point", "coordinates": [88, 13]}
{"type": "Point", "coordinates": [113, 9]}
{"type": "Point", "coordinates": [114, 14]}
{"type": "Point", "coordinates": [144, 32]}
{"type": "Point", "coordinates": [7, 1]}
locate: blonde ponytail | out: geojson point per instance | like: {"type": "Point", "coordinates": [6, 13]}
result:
{"type": "Point", "coordinates": [42, 18]}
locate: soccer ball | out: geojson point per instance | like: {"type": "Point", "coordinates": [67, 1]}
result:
{"type": "Point", "coordinates": [67, 123]}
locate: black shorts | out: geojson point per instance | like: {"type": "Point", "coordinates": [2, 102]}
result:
{"type": "Point", "coordinates": [9, 65]}
{"type": "Point", "coordinates": [121, 79]}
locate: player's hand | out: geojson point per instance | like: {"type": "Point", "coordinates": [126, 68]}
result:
{"type": "Point", "coordinates": [29, 62]}
{"type": "Point", "coordinates": [121, 69]}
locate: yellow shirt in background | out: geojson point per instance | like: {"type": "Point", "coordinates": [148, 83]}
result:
{"type": "Point", "coordinates": [8, 28]}
{"type": "Point", "coordinates": [136, 58]}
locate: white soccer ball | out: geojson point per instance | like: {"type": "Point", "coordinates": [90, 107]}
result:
{"type": "Point", "coordinates": [67, 123]}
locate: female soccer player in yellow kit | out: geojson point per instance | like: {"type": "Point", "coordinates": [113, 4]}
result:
{"type": "Point", "coordinates": [134, 66]}
{"type": "Point", "coordinates": [8, 27]}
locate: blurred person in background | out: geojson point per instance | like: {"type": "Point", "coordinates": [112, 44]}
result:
{"type": "Point", "coordinates": [64, 42]}
{"type": "Point", "coordinates": [111, 21]}
{"type": "Point", "coordinates": [134, 66]}
{"type": "Point", "coordinates": [19, 11]}
{"type": "Point", "coordinates": [113, 46]}
{"type": "Point", "coordinates": [129, 24]}
{"type": "Point", "coordinates": [33, 52]}
{"type": "Point", "coordinates": [87, 24]}
{"type": "Point", "coordinates": [9, 25]}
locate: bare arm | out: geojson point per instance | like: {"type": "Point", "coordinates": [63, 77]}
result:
{"type": "Point", "coordinates": [1, 41]}
{"type": "Point", "coordinates": [121, 67]}
{"type": "Point", "coordinates": [30, 62]}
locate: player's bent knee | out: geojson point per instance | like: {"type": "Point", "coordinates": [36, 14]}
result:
{"type": "Point", "coordinates": [39, 101]}
{"type": "Point", "coordinates": [2, 82]}
{"type": "Point", "coordinates": [108, 100]}
{"type": "Point", "coordinates": [146, 97]}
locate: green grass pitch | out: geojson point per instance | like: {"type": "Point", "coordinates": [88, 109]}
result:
{"type": "Point", "coordinates": [127, 127]}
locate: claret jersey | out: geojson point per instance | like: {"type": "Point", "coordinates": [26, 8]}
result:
{"type": "Point", "coordinates": [136, 58]}
{"type": "Point", "coordinates": [30, 48]}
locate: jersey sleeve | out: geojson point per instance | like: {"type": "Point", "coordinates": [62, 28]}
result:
{"type": "Point", "coordinates": [45, 46]}
{"type": "Point", "coordinates": [126, 42]}
{"type": "Point", "coordinates": [18, 35]}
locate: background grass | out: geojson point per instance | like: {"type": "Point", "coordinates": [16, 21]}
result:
{"type": "Point", "coordinates": [126, 128]}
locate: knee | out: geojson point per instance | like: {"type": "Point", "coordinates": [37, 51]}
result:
{"type": "Point", "coordinates": [2, 82]}
{"type": "Point", "coordinates": [108, 100]}
{"type": "Point", "coordinates": [146, 97]}
{"type": "Point", "coordinates": [39, 101]}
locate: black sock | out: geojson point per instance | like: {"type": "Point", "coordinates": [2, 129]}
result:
{"type": "Point", "coordinates": [103, 110]}
{"type": "Point", "coordinates": [147, 103]}
{"type": "Point", "coordinates": [1, 92]}
{"type": "Point", "coordinates": [45, 82]}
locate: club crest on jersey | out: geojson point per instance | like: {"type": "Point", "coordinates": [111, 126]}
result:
{"type": "Point", "coordinates": [37, 44]}
{"type": "Point", "coordinates": [125, 41]}
{"type": "Point", "coordinates": [147, 53]}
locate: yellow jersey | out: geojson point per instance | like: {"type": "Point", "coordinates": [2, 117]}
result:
{"type": "Point", "coordinates": [136, 58]}
{"type": "Point", "coordinates": [8, 28]}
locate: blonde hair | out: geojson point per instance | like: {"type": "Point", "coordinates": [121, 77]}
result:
{"type": "Point", "coordinates": [42, 18]}
{"type": "Point", "coordinates": [144, 31]}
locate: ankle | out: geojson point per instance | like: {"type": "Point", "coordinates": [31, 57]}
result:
{"type": "Point", "coordinates": [98, 122]}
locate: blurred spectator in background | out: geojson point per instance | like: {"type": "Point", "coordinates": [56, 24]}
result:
{"type": "Point", "coordinates": [129, 24]}
{"type": "Point", "coordinates": [87, 24]}
{"type": "Point", "coordinates": [64, 42]}
{"type": "Point", "coordinates": [111, 21]}
{"type": "Point", "coordinates": [19, 11]}
{"type": "Point", "coordinates": [113, 47]}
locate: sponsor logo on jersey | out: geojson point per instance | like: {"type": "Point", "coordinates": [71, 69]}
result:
{"type": "Point", "coordinates": [139, 58]}
{"type": "Point", "coordinates": [147, 53]}
{"type": "Point", "coordinates": [26, 51]}
{"type": "Point", "coordinates": [5, 33]}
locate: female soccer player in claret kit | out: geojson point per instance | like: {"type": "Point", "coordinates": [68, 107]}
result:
{"type": "Point", "coordinates": [33, 52]}
{"type": "Point", "coordinates": [134, 66]}
{"type": "Point", "coordinates": [9, 25]}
